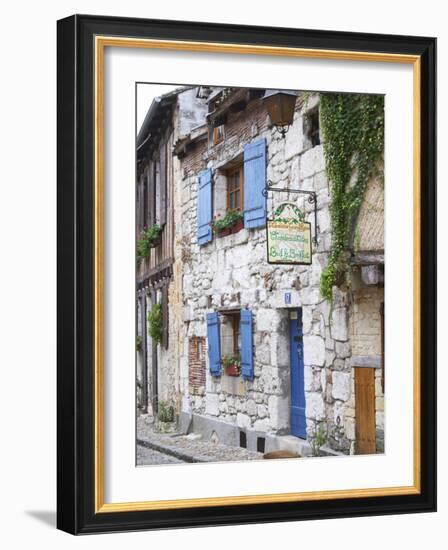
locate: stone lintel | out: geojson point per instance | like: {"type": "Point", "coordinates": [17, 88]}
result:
{"type": "Point", "coordinates": [372, 361]}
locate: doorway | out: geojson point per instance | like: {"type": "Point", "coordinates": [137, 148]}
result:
{"type": "Point", "coordinates": [365, 410]}
{"type": "Point", "coordinates": [298, 417]}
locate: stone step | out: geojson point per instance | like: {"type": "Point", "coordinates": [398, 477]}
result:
{"type": "Point", "coordinates": [289, 443]}
{"type": "Point", "coordinates": [294, 444]}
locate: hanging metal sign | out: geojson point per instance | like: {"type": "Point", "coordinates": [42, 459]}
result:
{"type": "Point", "coordinates": [289, 236]}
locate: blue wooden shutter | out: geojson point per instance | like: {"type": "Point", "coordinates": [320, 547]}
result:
{"type": "Point", "coordinates": [205, 206]}
{"type": "Point", "coordinates": [247, 351]}
{"type": "Point", "coordinates": [254, 183]}
{"type": "Point", "coordinates": [214, 343]}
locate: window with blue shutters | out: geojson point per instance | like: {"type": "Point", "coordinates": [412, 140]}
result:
{"type": "Point", "coordinates": [214, 343]}
{"type": "Point", "coordinates": [205, 207]}
{"type": "Point", "coordinates": [254, 184]}
{"type": "Point", "coordinates": [247, 352]}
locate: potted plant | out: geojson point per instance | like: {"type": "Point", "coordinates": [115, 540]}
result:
{"type": "Point", "coordinates": [149, 238]}
{"type": "Point", "coordinates": [231, 223]}
{"type": "Point", "coordinates": [155, 323]}
{"type": "Point", "coordinates": [232, 365]}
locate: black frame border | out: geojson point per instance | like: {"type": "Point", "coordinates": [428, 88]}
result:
{"type": "Point", "coordinates": [75, 295]}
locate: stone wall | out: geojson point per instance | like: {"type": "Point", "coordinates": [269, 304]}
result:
{"type": "Point", "coordinates": [369, 232]}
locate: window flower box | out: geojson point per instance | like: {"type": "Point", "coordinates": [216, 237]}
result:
{"type": "Point", "coordinates": [238, 226]}
{"type": "Point", "coordinates": [149, 238]}
{"type": "Point", "coordinates": [233, 370]}
{"type": "Point", "coordinates": [232, 222]}
{"type": "Point", "coordinates": [232, 365]}
{"type": "Point", "coordinates": [223, 232]}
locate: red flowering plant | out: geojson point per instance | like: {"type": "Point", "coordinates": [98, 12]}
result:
{"type": "Point", "coordinates": [232, 364]}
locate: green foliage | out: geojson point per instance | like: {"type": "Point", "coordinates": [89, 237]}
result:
{"type": "Point", "coordinates": [318, 440]}
{"type": "Point", "coordinates": [230, 360]}
{"type": "Point", "coordinates": [229, 220]}
{"type": "Point", "coordinates": [353, 130]}
{"type": "Point", "coordinates": [305, 98]}
{"type": "Point", "coordinates": [148, 239]}
{"type": "Point", "coordinates": [165, 412]}
{"type": "Point", "coordinates": [155, 323]}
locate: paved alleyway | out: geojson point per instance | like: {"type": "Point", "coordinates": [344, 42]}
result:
{"type": "Point", "coordinates": [153, 446]}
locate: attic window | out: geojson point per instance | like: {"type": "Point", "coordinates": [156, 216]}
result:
{"type": "Point", "coordinates": [218, 134]}
{"type": "Point", "coordinates": [312, 127]}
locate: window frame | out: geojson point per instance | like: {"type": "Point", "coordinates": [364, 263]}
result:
{"type": "Point", "coordinates": [234, 316]}
{"type": "Point", "coordinates": [218, 134]}
{"type": "Point", "coordinates": [313, 130]}
{"type": "Point", "coordinates": [230, 172]}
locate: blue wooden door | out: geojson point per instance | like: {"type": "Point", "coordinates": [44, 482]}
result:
{"type": "Point", "coordinates": [298, 419]}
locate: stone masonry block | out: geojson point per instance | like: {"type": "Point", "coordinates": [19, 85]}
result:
{"type": "Point", "coordinates": [341, 385]}
{"type": "Point", "coordinates": [212, 404]}
{"type": "Point", "coordinates": [314, 350]}
{"type": "Point", "coordinates": [312, 161]}
{"type": "Point", "coordinates": [339, 324]}
{"type": "Point", "coordinates": [315, 407]}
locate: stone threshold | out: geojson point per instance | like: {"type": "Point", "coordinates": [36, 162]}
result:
{"type": "Point", "coordinates": [300, 446]}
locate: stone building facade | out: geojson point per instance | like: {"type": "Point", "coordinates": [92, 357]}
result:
{"type": "Point", "coordinates": [310, 369]}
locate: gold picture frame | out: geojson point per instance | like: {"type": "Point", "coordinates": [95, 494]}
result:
{"type": "Point", "coordinates": [102, 33]}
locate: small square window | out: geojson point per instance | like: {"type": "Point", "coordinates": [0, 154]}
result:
{"type": "Point", "coordinates": [312, 132]}
{"type": "Point", "coordinates": [218, 134]}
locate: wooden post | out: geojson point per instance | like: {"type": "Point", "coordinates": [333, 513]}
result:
{"type": "Point", "coordinates": [365, 410]}
{"type": "Point", "coordinates": [382, 346]}
{"type": "Point", "coordinates": [144, 352]}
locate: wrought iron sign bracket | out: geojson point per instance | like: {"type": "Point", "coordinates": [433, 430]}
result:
{"type": "Point", "coordinates": [312, 199]}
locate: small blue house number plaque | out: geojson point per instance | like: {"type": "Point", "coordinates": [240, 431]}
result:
{"type": "Point", "coordinates": [287, 297]}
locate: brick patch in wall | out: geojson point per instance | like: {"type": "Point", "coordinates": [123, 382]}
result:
{"type": "Point", "coordinates": [196, 363]}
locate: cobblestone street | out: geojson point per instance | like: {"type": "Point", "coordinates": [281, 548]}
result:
{"type": "Point", "coordinates": [154, 447]}
{"type": "Point", "coordinates": [147, 456]}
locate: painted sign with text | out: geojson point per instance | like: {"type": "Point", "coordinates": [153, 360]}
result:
{"type": "Point", "coordinates": [289, 236]}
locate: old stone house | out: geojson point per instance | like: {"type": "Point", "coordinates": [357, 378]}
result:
{"type": "Point", "coordinates": [308, 368]}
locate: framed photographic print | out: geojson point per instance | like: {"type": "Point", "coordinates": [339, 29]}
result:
{"type": "Point", "coordinates": [246, 265]}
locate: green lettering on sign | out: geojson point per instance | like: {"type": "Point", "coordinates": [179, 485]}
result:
{"type": "Point", "coordinates": [289, 236]}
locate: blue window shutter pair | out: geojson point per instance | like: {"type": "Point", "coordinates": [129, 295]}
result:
{"type": "Point", "coordinates": [247, 352]}
{"type": "Point", "coordinates": [254, 183]}
{"type": "Point", "coordinates": [214, 344]}
{"type": "Point", "coordinates": [205, 207]}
